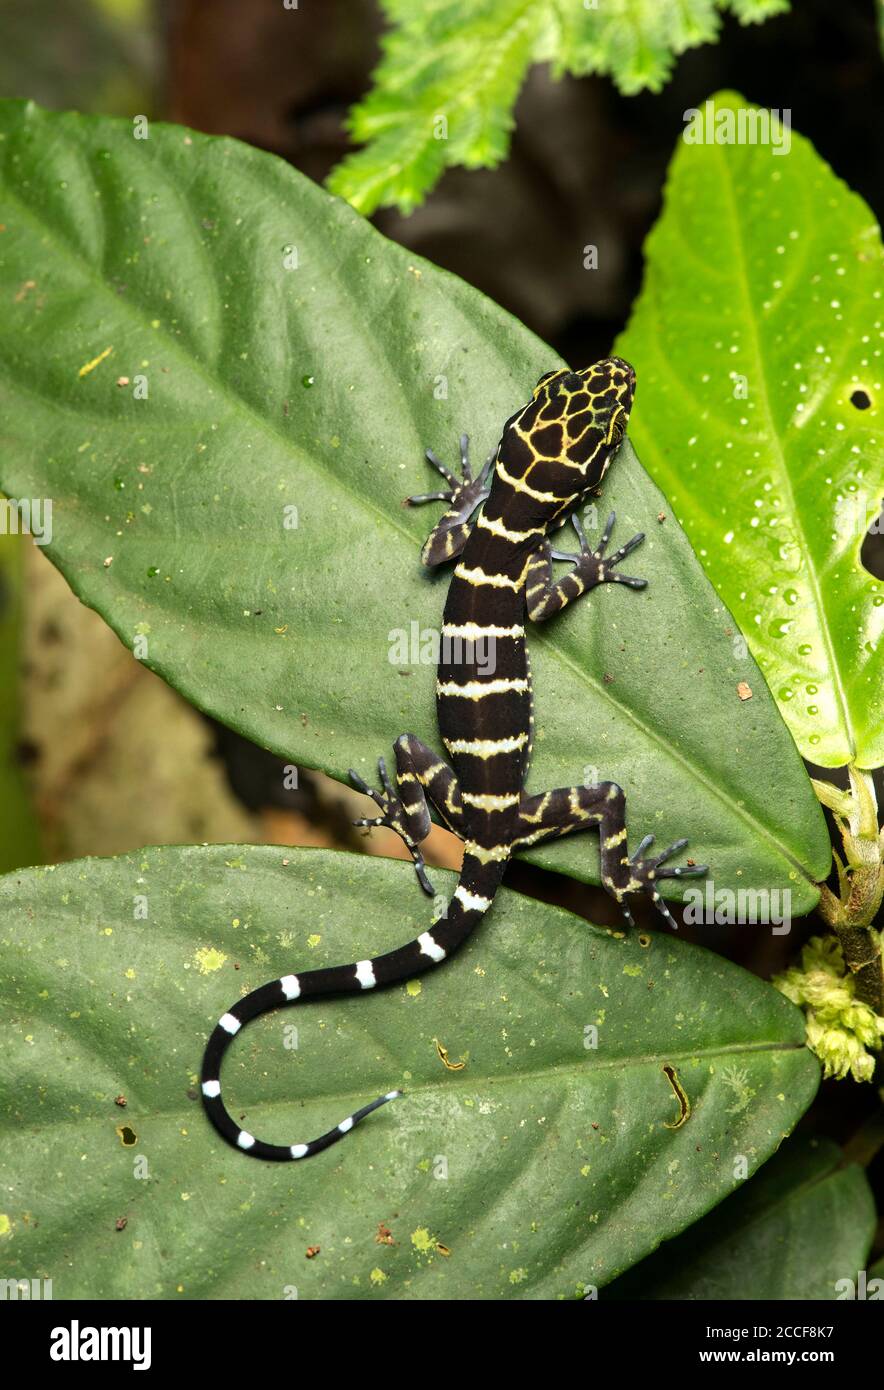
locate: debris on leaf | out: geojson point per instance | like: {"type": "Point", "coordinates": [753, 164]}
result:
{"type": "Point", "coordinates": [681, 1097]}
{"type": "Point", "coordinates": [90, 366]}
{"type": "Point", "coordinates": [442, 1053]}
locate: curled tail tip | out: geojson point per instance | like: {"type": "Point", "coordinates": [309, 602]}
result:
{"type": "Point", "coordinates": [381, 1100]}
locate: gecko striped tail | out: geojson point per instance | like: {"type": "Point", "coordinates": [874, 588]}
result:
{"type": "Point", "coordinates": [466, 909]}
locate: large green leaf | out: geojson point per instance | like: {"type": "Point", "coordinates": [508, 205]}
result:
{"type": "Point", "coordinates": [797, 1228]}
{"type": "Point", "coordinates": [543, 1165]}
{"type": "Point", "coordinates": [766, 274]}
{"type": "Point", "coordinates": [317, 388]}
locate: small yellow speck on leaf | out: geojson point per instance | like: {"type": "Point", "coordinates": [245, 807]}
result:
{"type": "Point", "coordinates": [422, 1240]}
{"type": "Point", "coordinates": [744, 691]}
{"type": "Point", "coordinates": [88, 367]}
{"type": "Point", "coordinates": [207, 960]}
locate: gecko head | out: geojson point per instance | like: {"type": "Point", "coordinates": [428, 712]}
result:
{"type": "Point", "coordinates": [572, 427]}
{"type": "Point", "coordinates": [581, 417]}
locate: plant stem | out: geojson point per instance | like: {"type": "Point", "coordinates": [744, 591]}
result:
{"type": "Point", "coordinates": [852, 911]}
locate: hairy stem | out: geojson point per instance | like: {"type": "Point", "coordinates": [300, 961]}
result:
{"type": "Point", "coordinates": [852, 911]}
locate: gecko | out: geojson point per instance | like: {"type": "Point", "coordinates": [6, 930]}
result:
{"type": "Point", "coordinates": [553, 454]}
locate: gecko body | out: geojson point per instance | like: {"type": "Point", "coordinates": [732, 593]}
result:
{"type": "Point", "coordinates": [553, 454]}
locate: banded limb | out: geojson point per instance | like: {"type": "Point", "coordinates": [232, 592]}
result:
{"type": "Point", "coordinates": [561, 812]}
{"type": "Point", "coordinates": [420, 775]}
{"type": "Point", "coordinates": [449, 536]}
{"type": "Point", "coordinates": [547, 596]}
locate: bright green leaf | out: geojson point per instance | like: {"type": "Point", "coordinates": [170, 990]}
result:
{"type": "Point", "coordinates": [545, 1164]}
{"type": "Point", "coordinates": [765, 275]}
{"type": "Point", "coordinates": [316, 388]}
{"type": "Point", "coordinates": [803, 1223]}
{"type": "Point", "coordinates": [451, 70]}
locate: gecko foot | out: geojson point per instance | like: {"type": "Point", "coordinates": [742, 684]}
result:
{"type": "Point", "coordinates": [593, 566]}
{"type": "Point", "coordinates": [645, 874]}
{"type": "Point", "coordinates": [463, 497]}
{"type": "Point", "coordinates": [394, 817]}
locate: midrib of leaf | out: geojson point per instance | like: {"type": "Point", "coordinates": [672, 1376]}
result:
{"type": "Point", "coordinates": [509, 41]}
{"type": "Point", "coordinates": [518, 1078]}
{"type": "Point", "coordinates": [475, 87]}
{"type": "Point", "coordinates": [760, 644]}
{"type": "Point", "coordinates": [777, 446]}
{"type": "Point", "coordinates": [651, 449]}
{"type": "Point", "coordinates": [261, 423]}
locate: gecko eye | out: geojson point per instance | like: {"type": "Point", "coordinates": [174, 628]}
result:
{"type": "Point", "coordinates": [547, 376]}
{"type": "Point", "coordinates": [617, 427]}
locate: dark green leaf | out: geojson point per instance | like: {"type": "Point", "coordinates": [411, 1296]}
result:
{"type": "Point", "coordinates": [318, 388]}
{"type": "Point", "coordinates": [543, 1165]}
{"type": "Point", "coordinates": [794, 1231]}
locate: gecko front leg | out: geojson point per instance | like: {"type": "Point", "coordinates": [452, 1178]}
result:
{"type": "Point", "coordinates": [546, 596]}
{"type": "Point", "coordinates": [449, 536]}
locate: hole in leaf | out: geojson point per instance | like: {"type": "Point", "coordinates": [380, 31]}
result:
{"type": "Point", "coordinates": [861, 399]}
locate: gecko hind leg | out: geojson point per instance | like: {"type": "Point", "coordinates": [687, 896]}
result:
{"type": "Point", "coordinates": [449, 536]}
{"type": "Point", "coordinates": [420, 774]}
{"type": "Point", "coordinates": [561, 812]}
